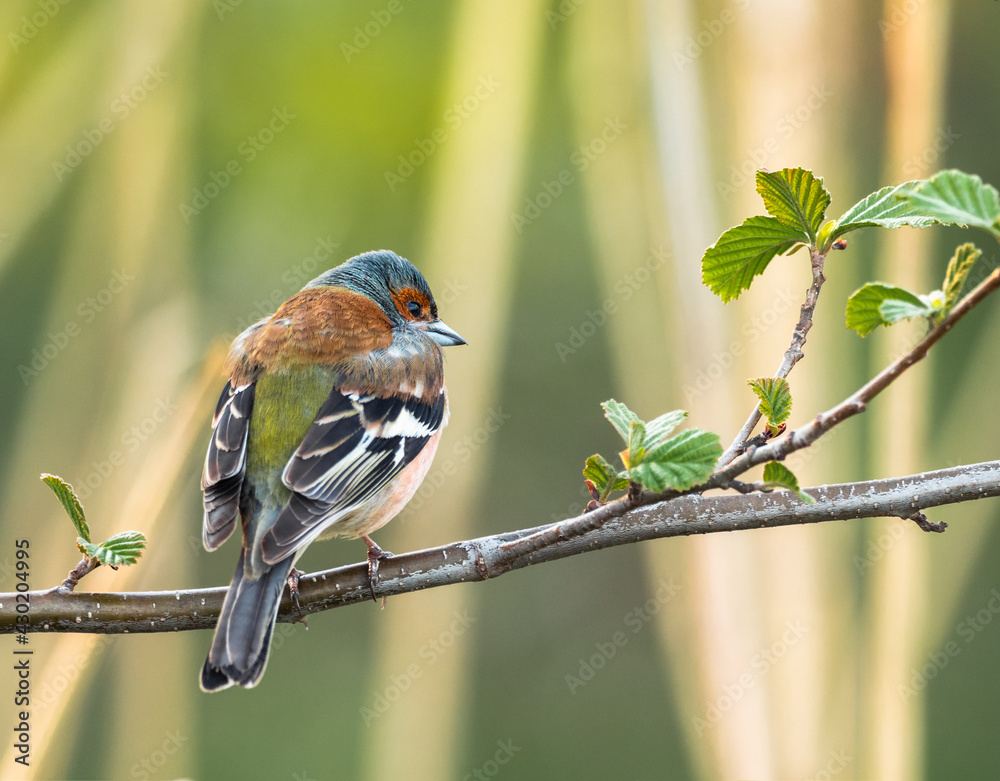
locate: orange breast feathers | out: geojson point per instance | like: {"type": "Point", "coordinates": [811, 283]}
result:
{"type": "Point", "coordinates": [318, 325]}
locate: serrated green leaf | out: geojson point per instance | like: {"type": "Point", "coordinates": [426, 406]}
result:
{"type": "Point", "coordinates": [604, 476]}
{"type": "Point", "coordinates": [775, 400]}
{"type": "Point", "coordinates": [636, 439]}
{"type": "Point", "coordinates": [957, 198]}
{"type": "Point", "coordinates": [884, 208]}
{"type": "Point", "coordinates": [778, 475]}
{"type": "Point", "coordinates": [959, 266]}
{"type": "Point", "coordinates": [658, 429]}
{"type": "Point", "coordinates": [70, 502]}
{"type": "Point", "coordinates": [118, 551]}
{"type": "Point", "coordinates": [876, 304]}
{"type": "Point", "coordinates": [680, 462]}
{"type": "Point", "coordinates": [893, 310]}
{"type": "Point", "coordinates": [795, 197]}
{"type": "Point", "coordinates": [741, 253]}
{"type": "Point", "coordinates": [621, 417]}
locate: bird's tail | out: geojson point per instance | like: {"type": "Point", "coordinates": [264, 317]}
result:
{"type": "Point", "coordinates": [243, 635]}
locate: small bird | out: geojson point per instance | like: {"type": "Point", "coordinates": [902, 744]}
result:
{"type": "Point", "coordinates": [327, 426]}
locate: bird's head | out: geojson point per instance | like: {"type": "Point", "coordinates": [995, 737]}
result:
{"type": "Point", "coordinates": [399, 289]}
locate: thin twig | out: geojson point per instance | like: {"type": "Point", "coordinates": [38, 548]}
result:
{"type": "Point", "coordinates": [805, 435]}
{"type": "Point", "coordinates": [924, 523]}
{"type": "Point", "coordinates": [85, 567]}
{"type": "Point", "coordinates": [791, 357]}
{"type": "Point", "coordinates": [61, 610]}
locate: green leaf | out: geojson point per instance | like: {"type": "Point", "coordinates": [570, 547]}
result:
{"type": "Point", "coordinates": [958, 198]}
{"type": "Point", "coordinates": [741, 253]}
{"type": "Point", "coordinates": [877, 304]}
{"type": "Point", "coordinates": [959, 266]}
{"type": "Point", "coordinates": [604, 476]}
{"type": "Point", "coordinates": [780, 476]}
{"type": "Point", "coordinates": [636, 439]}
{"type": "Point", "coordinates": [70, 502]}
{"type": "Point", "coordinates": [885, 208]}
{"type": "Point", "coordinates": [118, 551]}
{"type": "Point", "coordinates": [775, 400]}
{"type": "Point", "coordinates": [680, 462]}
{"type": "Point", "coordinates": [621, 417]}
{"type": "Point", "coordinates": [658, 429]}
{"type": "Point", "coordinates": [893, 310]}
{"type": "Point", "coordinates": [795, 197]}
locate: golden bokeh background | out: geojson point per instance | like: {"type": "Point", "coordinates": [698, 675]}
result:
{"type": "Point", "coordinates": [171, 171]}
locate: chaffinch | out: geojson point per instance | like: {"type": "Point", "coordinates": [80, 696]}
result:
{"type": "Point", "coordinates": [327, 426]}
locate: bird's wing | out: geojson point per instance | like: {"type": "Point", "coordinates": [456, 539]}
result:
{"type": "Point", "coordinates": [356, 445]}
{"type": "Point", "coordinates": [226, 463]}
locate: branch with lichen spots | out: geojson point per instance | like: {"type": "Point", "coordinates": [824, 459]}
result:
{"type": "Point", "coordinates": [617, 523]}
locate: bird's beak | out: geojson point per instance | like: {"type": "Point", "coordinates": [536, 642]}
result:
{"type": "Point", "coordinates": [442, 334]}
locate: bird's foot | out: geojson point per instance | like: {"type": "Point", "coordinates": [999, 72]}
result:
{"type": "Point", "coordinates": [375, 556]}
{"type": "Point", "coordinates": [293, 589]}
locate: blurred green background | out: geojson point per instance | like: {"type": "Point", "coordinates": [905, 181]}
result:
{"type": "Point", "coordinates": [171, 171]}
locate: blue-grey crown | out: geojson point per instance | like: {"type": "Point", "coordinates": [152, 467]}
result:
{"type": "Point", "coordinates": [375, 274]}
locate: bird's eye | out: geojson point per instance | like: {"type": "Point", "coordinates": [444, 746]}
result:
{"type": "Point", "coordinates": [414, 308]}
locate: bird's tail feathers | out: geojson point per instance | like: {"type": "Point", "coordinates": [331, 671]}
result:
{"type": "Point", "coordinates": [243, 635]}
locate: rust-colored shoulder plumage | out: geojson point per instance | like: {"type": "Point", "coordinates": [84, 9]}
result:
{"type": "Point", "coordinates": [317, 325]}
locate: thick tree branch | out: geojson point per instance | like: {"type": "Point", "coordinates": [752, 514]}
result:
{"type": "Point", "coordinates": [638, 516]}
{"type": "Point", "coordinates": [62, 610]}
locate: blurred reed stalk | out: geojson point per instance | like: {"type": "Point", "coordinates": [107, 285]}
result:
{"type": "Point", "coordinates": [649, 206]}
{"type": "Point", "coordinates": [472, 197]}
{"type": "Point", "coordinates": [915, 38]}
{"type": "Point", "coordinates": [144, 351]}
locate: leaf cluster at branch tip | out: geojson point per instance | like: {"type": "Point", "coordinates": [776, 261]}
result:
{"type": "Point", "coordinates": [119, 550]}
{"type": "Point", "coordinates": [652, 457]}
